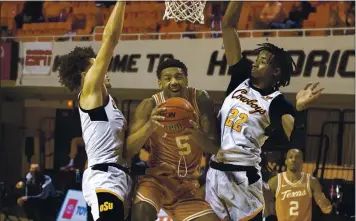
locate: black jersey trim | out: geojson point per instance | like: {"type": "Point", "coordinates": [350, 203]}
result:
{"type": "Point", "coordinates": [98, 113]}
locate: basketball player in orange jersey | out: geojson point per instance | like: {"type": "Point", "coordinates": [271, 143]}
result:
{"type": "Point", "coordinates": [176, 191]}
{"type": "Point", "coordinates": [253, 111]}
{"type": "Point", "coordinates": [293, 191]}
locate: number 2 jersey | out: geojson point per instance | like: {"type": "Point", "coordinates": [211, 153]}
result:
{"type": "Point", "coordinates": [293, 200]}
{"type": "Point", "coordinates": [103, 133]}
{"type": "Point", "coordinates": [246, 114]}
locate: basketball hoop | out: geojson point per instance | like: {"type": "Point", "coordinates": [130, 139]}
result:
{"type": "Point", "coordinates": [180, 10]}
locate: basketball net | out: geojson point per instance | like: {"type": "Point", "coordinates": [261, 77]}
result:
{"type": "Point", "coordinates": [180, 10]}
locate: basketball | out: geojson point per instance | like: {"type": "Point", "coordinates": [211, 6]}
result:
{"type": "Point", "coordinates": [178, 114]}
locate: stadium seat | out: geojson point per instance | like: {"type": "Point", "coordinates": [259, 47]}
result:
{"type": "Point", "coordinates": [142, 17]}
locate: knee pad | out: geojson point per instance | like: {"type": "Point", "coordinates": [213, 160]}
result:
{"type": "Point", "coordinates": [110, 207]}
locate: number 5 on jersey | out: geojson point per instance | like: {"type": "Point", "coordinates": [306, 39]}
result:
{"type": "Point", "coordinates": [235, 119]}
{"type": "Point", "coordinates": [183, 145]}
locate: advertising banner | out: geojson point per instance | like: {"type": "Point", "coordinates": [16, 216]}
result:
{"type": "Point", "coordinates": [74, 207]}
{"type": "Point", "coordinates": [328, 59]}
{"type": "Point", "coordinates": [37, 58]}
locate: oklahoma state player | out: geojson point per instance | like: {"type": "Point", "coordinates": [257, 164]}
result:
{"type": "Point", "coordinates": [175, 192]}
{"type": "Point", "coordinates": [293, 191]}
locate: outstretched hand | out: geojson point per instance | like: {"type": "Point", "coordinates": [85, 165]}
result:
{"type": "Point", "coordinates": [306, 96]}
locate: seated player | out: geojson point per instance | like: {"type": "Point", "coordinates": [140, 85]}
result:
{"type": "Point", "coordinates": [39, 194]}
{"type": "Point", "coordinates": [176, 191]}
{"type": "Point", "coordinates": [75, 144]}
{"type": "Point", "coordinates": [293, 191]}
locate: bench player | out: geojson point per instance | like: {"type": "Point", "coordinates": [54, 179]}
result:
{"type": "Point", "coordinates": [106, 183]}
{"type": "Point", "coordinates": [176, 191]}
{"type": "Point", "coordinates": [248, 115]}
{"type": "Point", "coordinates": [293, 191]}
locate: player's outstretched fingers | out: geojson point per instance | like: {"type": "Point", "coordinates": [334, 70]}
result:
{"type": "Point", "coordinates": [317, 94]}
{"type": "Point", "coordinates": [314, 85]}
{"type": "Point", "coordinates": [308, 85]}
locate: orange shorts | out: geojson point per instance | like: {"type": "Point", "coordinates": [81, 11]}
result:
{"type": "Point", "coordinates": [177, 197]}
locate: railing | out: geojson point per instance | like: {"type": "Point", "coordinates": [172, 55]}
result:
{"type": "Point", "coordinates": [95, 36]}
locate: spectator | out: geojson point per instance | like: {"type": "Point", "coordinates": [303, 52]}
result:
{"type": "Point", "coordinates": [350, 15]}
{"type": "Point", "coordinates": [298, 14]}
{"type": "Point", "coordinates": [31, 13]}
{"type": "Point", "coordinates": [99, 16]}
{"type": "Point", "coordinates": [55, 11]}
{"type": "Point", "coordinates": [272, 12]}
{"type": "Point", "coordinates": [38, 193]}
{"type": "Point", "coordinates": [337, 15]}
{"type": "Point", "coordinates": [190, 28]}
{"type": "Point", "coordinates": [216, 11]}
{"type": "Point", "coordinates": [216, 26]}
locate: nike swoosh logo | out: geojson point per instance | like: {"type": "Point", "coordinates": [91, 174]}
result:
{"type": "Point", "coordinates": [284, 185]}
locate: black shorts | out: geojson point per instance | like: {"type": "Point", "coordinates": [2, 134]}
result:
{"type": "Point", "coordinates": [110, 208]}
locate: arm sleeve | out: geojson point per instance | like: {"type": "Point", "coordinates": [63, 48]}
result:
{"type": "Point", "coordinates": [239, 72]}
{"type": "Point", "coordinates": [279, 107]}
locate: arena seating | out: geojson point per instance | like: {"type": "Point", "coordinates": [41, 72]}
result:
{"type": "Point", "coordinates": [146, 17]}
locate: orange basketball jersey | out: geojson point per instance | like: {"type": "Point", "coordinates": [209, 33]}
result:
{"type": "Point", "coordinates": [175, 148]}
{"type": "Point", "coordinates": [294, 200]}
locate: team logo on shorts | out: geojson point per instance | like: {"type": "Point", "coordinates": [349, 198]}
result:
{"type": "Point", "coordinates": [106, 206]}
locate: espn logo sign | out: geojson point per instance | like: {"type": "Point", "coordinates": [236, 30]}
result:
{"type": "Point", "coordinates": [37, 58]}
{"type": "Point", "coordinates": [69, 209]}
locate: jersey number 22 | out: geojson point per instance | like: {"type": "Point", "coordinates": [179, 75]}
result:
{"type": "Point", "coordinates": [235, 120]}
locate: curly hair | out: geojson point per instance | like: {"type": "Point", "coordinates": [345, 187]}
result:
{"type": "Point", "coordinates": [280, 59]}
{"type": "Point", "coordinates": [73, 64]}
{"type": "Point", "coordinates": [169, 63]}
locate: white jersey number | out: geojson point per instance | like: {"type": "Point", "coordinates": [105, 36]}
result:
{"type": "Point", "coordinates": [183, 145]}
{"type": "Point", "coordinates": [235, 120]}
{"type": "Point", "coordinates": [293, 210]}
